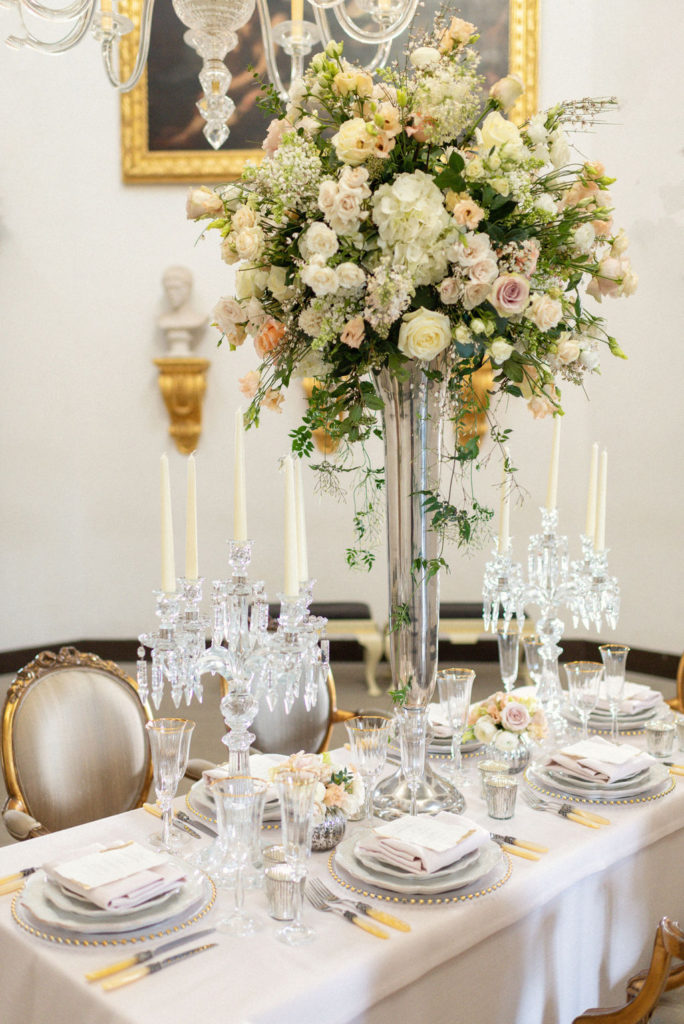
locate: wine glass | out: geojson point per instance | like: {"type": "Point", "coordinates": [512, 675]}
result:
{"type": "Point", "coordinates": [369, 736]}
{"type": "Point", "coordinates": [584, 681]}
{"type": "Point", "coordinates": [239, 803]}
{"type": "Point", "coordinates": [455, 687]}
{"type": "Point", "coordinates": [508, 642]}
{"type": "Point", "coordinates": [413, 730]}
{"type": "Point", "coordinates": [533, 658]}
{"type": "Point", "coordinates": [296, 791]}
{"type": "Point", "coordinates": [170, 747]}
{"type": "Point", "coordinates": [614, 658]}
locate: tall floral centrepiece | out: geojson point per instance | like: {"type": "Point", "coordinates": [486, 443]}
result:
{"type": "Point", "coordinates": [400, 232]}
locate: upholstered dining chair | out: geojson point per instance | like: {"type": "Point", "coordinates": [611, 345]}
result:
{"type": "Point", "coordinates": [677, 703]}
{"type": "Point", "coordinates": [645, 990]}
{"type": "Point", "coordinates": [74, 746]}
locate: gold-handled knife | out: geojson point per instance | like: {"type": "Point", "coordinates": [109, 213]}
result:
{"type": "Point", "coordinates": [523, 843]}
{"type": "Point", "coordinates": [381, 915]}
{"type": "Point", "coordinates": [141, 972]}
{"type": "Point", "coordinates": [145, 955]}
{"type": "Point", "coordinates": [152, 809]}
{"type": "Point", "coordinates": [11, 882]}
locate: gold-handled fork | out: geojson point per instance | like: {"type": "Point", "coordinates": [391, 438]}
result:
{"type": "Point", "coordinates": [364, 908]}
{"type": "Point", "coordinates": [576, 814]}
{"type": "Point", "coordinates": [318, 903]}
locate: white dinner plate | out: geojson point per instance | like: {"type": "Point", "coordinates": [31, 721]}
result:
{"type": "Point", "coordinates": [201, 803]}
{"type": "Point", "coordinates": [600, 720]}
{"type": "Point", "coordinates": [490, 855]}
{"type": "Point", "coordinates": [35, 902]}
{"type": "Point", "coordinates": [656, 776]}
{"type": "Point", "coordinates": [376, 864]}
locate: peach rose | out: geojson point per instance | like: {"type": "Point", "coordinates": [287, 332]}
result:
{"type": "Point", "coordinates": [541, 406]}
{"type": "Point", "coordinates": [457, 34]}
{"type": "Point", "coordinates": [353, 333]}
{"type": "Point", "coordinates": [273, 400]}
{"type": "Point", "coordinates": [507, 90]}
{"type": "Point", "coordinates": [249, 384]}
{"type": "Point", "coordinates": [468, 214]}
{"type": "Point", "coordinates": [544, 312]}
{"type": "Point", "coordinates": [268, 337]}
{"type": "Point", "coordinates": [202, 202]}
{"type": "Point", "coordinates": [334, 795]}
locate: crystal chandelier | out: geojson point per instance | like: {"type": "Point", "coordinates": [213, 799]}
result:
{"type": "Point", "coordinates": [211, 31]}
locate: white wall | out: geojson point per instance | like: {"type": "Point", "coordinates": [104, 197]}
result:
{"type": "Point", "coordinates": [83, 424]}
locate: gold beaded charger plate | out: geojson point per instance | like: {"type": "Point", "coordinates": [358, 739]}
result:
{"type": "Point", "coordinates": [32, 911]}
{"type": "Point", "coordinates": [460, 875]}
{"type": "Point", "coordinates": [489, 883]}
{"type": "Point", "coordinates": [656, 784]}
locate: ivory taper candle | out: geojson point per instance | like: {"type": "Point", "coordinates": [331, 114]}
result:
{"type": "Point", "coordinates": [600, 541]}
{"type": "Point", "coordinates": [191, 572]}
{"type": "Point", "coordinates": [302, 559]}
{"type": "Point", "coordinates": [291, 555]}
{"type": "Point", "coordinates": [552, 488]}
{"type": "Point", "coordinates": [590, 521]}
{"type": "Point", "coordinates": [505, 512]}
{"type": "Point", "coordinates": [168, 568]}
{"type": "Point", "coordinates": [239, 485]}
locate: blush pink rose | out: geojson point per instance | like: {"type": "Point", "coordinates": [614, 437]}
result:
{"type": "Point", "coordinates": [515, 717]}
{"type": "Point", "coordinates": [510, 294]}
{"type": "Point", "coordinates": [249, 384]}
{"type": "Point", "coordinates": [268, 337]}
{"type": "Point", "coordinates": [274, 135]}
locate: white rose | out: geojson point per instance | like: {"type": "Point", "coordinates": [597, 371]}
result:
{"type": "Point", "coordinates": [499, 131]}
{"type": "Point", "coordinates": [544, 312]}
{"type": "Point", "coordinates": [244, 217]}
{"type": "Point", "coordinates": [589, 357]}
{"type": "Point", "coordinates": [424, 334]}
{"type": "Point", "coordinates": [320, 278]}
{"type": "Point", "coordinates": [536, 129]}
{"type": "Point", "coordinates": [474, 294]}
{"type": "Point", "coordinates": [346, 215]}
{"type": "Point", "coordinates": [545, 203]}
{"type": "Point", "coordinates": [327, 194]}
{"type": "Point", "coordinates": [227, 313]}
{"type": "Point", "coordinates": [276, 284]}
{"type": "Point", "coordinates": [463, 335]}
{"type": "Point", "coordinates": [450, 290]}
{"type": "Point", "coordinates": [355, 179]}
{"type": "Point", "coordinates": [506, 741]}
{"type": "Point", "coordinates": [350, 276]}
{"type": "Point", "coordinates": [484, 271]}
{"type": "Point", "coordinates": [568, 349]}
{"type": "Point", "coordinates": [507, 90]}
{"type": "Point", "coordinates": [202, 202]}
{"type": "Point", "coordinates": [249, 243]}
{"type": "Point", "coordinates": [310, 321]}
{"type": "Point", "coordinates": [228, 254]}
{"type": "Point", "coordinates": [500, 350]}
{"type": "Point", "coordinates": [424, 57]}
{"type": "Point", "coordinates": [630, 280]}
{"type": "Point", "coordinates": [250, 281]}
{"type": "Point", "coordinates": [353, 143]}
{"type": "Point", "coordinates": [583, 238]}
{"type": "Point", "coordinates": [484, 729]}
{"type": "Point", "coordinates": [318, 240]}
{"type": "Point", "coordinates": [620, 244]}
{"type": "Point", "coordinates": [559, 150]}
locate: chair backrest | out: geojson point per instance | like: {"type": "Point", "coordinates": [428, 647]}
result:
{"type": "Point", "coordinates": [279, 733]}
{"type": "Point", "coordinates": [669, 942]}
{"type": "Point", "coordinates": [74, 746]}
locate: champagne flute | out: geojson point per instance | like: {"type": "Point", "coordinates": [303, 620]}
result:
{"type": "Point", "coordinates": [614, 658]}
{"type": "Point", "coordinates": [170, 747]}
{"type": "Point", "coordinates": [296, 791]}
{"type": "Point", "coordinates": [455, 688]}
{"type": "Point", "coordinates": [584, 681]}
{"type": "Point", "coordinates": [369, 736]}
{"type": "Point", "coordinates": [508, 642]}
{"type": "Point", "coordinates": [533, 658]}
{"type": "Point", "coordinates": [240, 800]}
{"type": "Point", "coordinates": [413, 730]}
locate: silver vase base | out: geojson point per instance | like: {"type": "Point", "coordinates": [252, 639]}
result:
{"type": "Point", "coordinates": [393, 796]}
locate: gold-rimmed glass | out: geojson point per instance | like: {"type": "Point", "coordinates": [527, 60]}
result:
{"type": "Point", "coordinates": [614, 657]}
{"type": "Point", "coordinates": [455, 687]}
{"type": "Point", "coordinates": [296, 792]}
{"type": "Point", "coordinates": [170, 747]}
{"type": "Point", "coordinates": [239, 801]}
{"type": "Point", "coordinates": [369, 737]}
{"type": "Point", "coordinates": [584, 681]}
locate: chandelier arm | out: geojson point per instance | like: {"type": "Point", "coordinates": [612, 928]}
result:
{"type": "Point", "coordinates": [269, 48]}
{"type": "Point", "coordinates": [67, 41]}
{"type": "Point", "coordinates": [74, 10]}
{"type": "Point", "coordinates": [141, 56]}
{"type": "Point", "coordinates": [381, 36]}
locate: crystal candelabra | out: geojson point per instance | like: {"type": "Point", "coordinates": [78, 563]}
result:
{"type": "Point", "coordinates": [212, 33]}
{"type": "Point", "coordinates": [584, 587]}
{"type": "Point", "coordinates": [283, 665]}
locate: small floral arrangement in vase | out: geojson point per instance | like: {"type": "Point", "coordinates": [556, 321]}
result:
{"type": "Point", "coordinates": [339, 788]}
{"type": "Point", "coordinates": [506, 723]}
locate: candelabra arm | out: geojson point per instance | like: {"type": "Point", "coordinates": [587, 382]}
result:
{"type": "Point", "coordinates": [394, 29]}
{"type": "Point", "coordinates": [141, 56]}
{"type": "Point", "coordinates": [269, 48]}
{"type": "Point", "coordinates": [67, 41]}
{"type": "Point", "coordinates": [68, 13]}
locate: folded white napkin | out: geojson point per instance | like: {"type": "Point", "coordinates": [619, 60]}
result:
{"type": "Point", "coordinates": [117, 876]}
{"type": "Point", "coordinates": [424, 844]}
{"type": "Point", "coordinates": [635, 698]}
{"type": "Point", "coordinates": [600, 760]}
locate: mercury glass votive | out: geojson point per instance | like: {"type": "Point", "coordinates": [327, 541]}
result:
{"type": "Point", "coordinates": [660, 737]}
{"type": "Point", "coordinates": [489, 768]}
{"type": "Point", "coordinates": [281, 891]}
{"type": "Point", "coordinates": [500, 794]}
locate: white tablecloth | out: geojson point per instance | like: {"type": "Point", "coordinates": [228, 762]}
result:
{"type": "Point", "coordinates": [560, 935]}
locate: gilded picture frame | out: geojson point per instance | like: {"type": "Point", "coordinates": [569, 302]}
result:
{"type": "Point", "coordinates": [146, 161]}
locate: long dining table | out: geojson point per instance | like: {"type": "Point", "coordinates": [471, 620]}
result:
{"type": "Point", "coordinates": [559, 935]}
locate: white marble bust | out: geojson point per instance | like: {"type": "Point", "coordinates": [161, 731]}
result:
{"type": "Point", "coordinates": [182, 324]}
